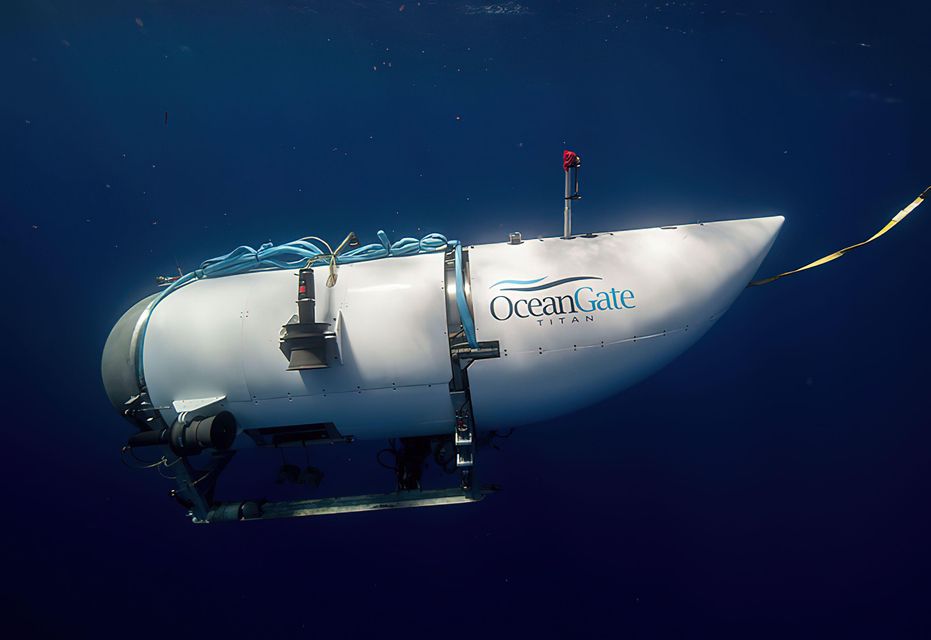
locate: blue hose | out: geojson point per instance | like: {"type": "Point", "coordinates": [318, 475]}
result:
{"type": "Point", "coordinates": [301, 253]}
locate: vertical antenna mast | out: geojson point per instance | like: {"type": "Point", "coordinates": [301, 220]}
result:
{"type": "Point", "coordinates": [570, 164]}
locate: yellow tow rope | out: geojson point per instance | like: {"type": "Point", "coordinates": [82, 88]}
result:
{"type": "Point", "coordinates": [837, 254]}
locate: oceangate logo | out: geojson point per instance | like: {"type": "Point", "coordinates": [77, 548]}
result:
{"type": "Point", "coordinates": [583, 300]}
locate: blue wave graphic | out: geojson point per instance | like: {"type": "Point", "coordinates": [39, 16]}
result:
{"type": "Point", "coordinates": [550, 285]}
{"type": "Point", "coordinates": [517, 282]}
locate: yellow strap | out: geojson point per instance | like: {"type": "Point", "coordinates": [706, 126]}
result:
{"type": "Point", "coordinates": [837, 254]}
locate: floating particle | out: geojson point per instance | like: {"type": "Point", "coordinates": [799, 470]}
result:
{"type": "Point", "coordinates": [139, 23]}
{"type": "Point", "coordinates": [458, 118]}
{"type": "Point", "coordinates": [401, 8]}
{"type": "Point", "coordinates": [28, 121]}
{"type": "Point", "coordinates": [107, 185]}
{"type": "Point", "coordinates": [65, 43]}
{"type": "Point", "coordinates": [35, 227]}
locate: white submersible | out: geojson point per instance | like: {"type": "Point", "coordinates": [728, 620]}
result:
{"type": "Point", "coordinates": [433, 347]}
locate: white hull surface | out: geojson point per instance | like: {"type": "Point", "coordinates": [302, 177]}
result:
{"type": "Point", "coordinates": [575, 322]}
{"type": "Point", "coordinates": [670, 285]}
{"type": "Point", "coordinates": [388, 374]}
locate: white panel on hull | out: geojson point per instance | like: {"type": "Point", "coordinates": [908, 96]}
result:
{"type": "Point", "coordinates": [393, 329]}
{"type": "Point", "coordinates": [193, 344]}
{"type": "Point", "coordinates": [636, 299]}
{"type": "Point", "coordinates": [372, 413]}
{"type": "Point", "coordinates": [221, 337]}
{"type": "Point", "coordinates": [531, 386]}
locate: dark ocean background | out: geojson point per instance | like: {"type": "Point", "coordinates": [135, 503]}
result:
{"type": "Point", "coordinates": [771, 482]}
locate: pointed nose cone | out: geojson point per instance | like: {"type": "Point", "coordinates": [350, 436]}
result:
{"type": "Point", "coordinates": [722, 258]}
{"type": "Point", "coordinates": [745, 243]}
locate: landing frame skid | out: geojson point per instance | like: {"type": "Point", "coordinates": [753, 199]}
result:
{"type": "Point", "coordinates": [251, 510]}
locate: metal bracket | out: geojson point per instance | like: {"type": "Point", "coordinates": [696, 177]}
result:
{"type": "Point", "coordinates": [302, 339]}
{"type": "Point", "coordinates": [462, 354]}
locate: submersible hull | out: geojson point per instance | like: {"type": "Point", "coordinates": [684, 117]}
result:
{"type": "Point", "coordinates": [564, 323]}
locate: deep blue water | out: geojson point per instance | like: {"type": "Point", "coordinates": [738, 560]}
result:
{"type": "Point", "coordinates": [771, 482]}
